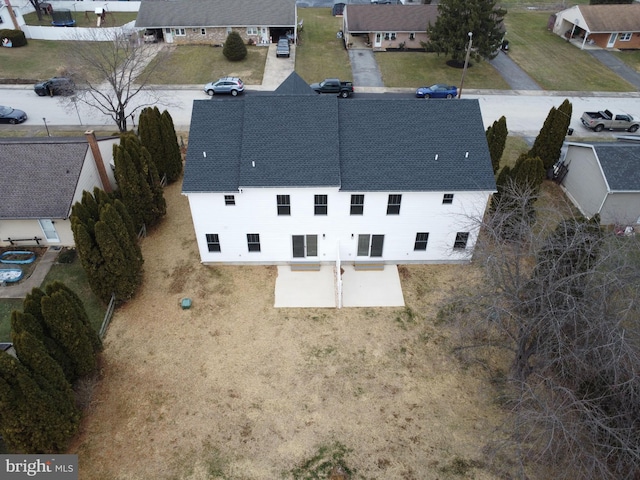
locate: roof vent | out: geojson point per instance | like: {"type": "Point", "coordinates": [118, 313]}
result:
{"type": "Point", "coordinates": [436, 156]}
{"type": "Point", "coordinates": [466, 155]}
{"type": "Point", "coordinates": [253, 164]}
{"type": "Point", "coordinates": [204, 154]}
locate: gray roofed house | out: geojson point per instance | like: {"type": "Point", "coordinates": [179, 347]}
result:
{"type": "Point", "coordinates": [43, 178]}
{"type": "Point", "coordinates": [210, 21]}
{"type": "Point", "coordinates": [295, 85]}
{"type": "Point", "coordinates": [297, 169]}
{"type": "Point", "coordinates": [388, 26]}
{"type": "Point", "coordinates": [604, 178]}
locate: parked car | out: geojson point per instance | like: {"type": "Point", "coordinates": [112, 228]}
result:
{"type": "Point", "coordinates": [282, 49]}
{"type": "Point", "coordinates": [11, 115]}
{"type": "Point", "coordinates": [605, 119]}
{"type": "Point", "coordinates": [439, 90]}
{"type": "Point", "coordinates": [55, 86]}
{"type": "Point", "coordinates": [232, 85]}
{"type": "Point", "coordinates": [333, 85]}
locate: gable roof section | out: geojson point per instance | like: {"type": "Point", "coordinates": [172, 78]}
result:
{"type": "Point", "coordinates": [305, 141]}
{"type": "Point", "coordinates": [216, 13]}
{"type": "Point", "coordinates": [611, 18]}
{"type": "Point", "coordinates": [40, 176]}
{"type": "Point", "coordinates": [390, 18]}
{"type": "Point", "coordinates": [294, 85]}
{"type": "Point", "coordinates": [619, 163]}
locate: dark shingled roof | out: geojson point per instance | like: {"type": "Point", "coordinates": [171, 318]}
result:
{"type": "Point", "coordinates": [621, 165]}
{"type": "Point", "coordinates": [39, 176]}
{"type": "Point", "coordinates": [366, 144]}
{"type": "Point", "coordinates": [295, 85]}
{"type": "Point", "coordinates": [390, 18]}
{"type": "Point", "coordinates": [215, 13]}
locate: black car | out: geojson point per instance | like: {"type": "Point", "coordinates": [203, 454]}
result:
{"type": "Point", "coordinates": [11, 115]}
{"type": "Point", "coordinates": [55, 86]}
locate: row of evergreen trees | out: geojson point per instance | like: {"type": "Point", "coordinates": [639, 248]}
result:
{"type": "Point", "coordinates": [105, 226]}
{"type": "Point", "coordinates": [55, 345]}
{"type": "Point", "coordinates": [530, 168]}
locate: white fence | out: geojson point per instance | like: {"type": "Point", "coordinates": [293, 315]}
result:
{"type": "Point", "coordinates": [75, 33]}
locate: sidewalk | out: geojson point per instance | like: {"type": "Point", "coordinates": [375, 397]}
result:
{"type": "Point", "coordinates": [21, 289]}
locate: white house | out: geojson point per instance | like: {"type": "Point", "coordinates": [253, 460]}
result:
{"type": "Point", "coordinates": [42, 178]}
{"type": "Point", "coordinates": [282, 177]}
{"type": "Point", "coordinates": [603, 178]}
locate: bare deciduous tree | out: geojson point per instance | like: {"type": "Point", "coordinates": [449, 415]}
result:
{"type": "Point", "coordinates": [113, 72]}
{"type": "Point", "coordinates": [561, 299]}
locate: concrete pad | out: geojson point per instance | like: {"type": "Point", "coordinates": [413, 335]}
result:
{"type": "Point", "coordinates": [305, 289]}
{"type": "Point", "coordinates": [317, 289]}
{"type": "Point", "coordinates": [371, 288]}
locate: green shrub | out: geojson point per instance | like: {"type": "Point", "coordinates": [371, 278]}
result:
{"type": "Point", "coordinates": [234, 48]}
{"type": "Point", "coordinates": [16, 37]}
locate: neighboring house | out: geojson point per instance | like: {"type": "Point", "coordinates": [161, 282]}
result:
{"type": "Point", "coordinates": [388, 26]}
{"type": "Point", "coordinates": [210, 21]}
{"type": "Point", "coordinates": [373, 179]}
{"type": "Point", "coordinates": [43, 177]}
{"type": "Point", "coordinates": [605, 26]}
{"type": "Point", "coordinates": [604, 178]}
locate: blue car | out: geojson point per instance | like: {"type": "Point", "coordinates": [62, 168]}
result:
{"type": "Point", "coordinates": [439, 90]}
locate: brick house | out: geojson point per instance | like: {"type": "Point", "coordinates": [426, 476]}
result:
{"type": "Point", "coordinates": [209, 22]}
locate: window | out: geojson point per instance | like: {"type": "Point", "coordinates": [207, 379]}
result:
{"type": "Point", "coordinates": [447, 199]}
{"type": "Point", "coordinates": [305, 246]}
{"type": "Point", "coordinates": [167, 30]}
{"type": "Point", "coordinates": [412, 36]}
{"type": "Point", "coordinates": [213, 242]}
{"type": "Point", "coordinates": [370, 245]}
{"type": "Point", "coordinates": [461, 240]}
{"type": "Point", "coordinates": [203, 31]}
{"type": "Point", "coordinates": [180, 32]}
{"type": "Point", "coordinates": [421, 241]}
{"type": "Point", "coordinates": [625, 37]}
{"type": "Point", "coordinates": [320, 205]}
{"type": "Point", "coordinates": [252, 30]}
{"type": "Point", "coordinates": [393, 206]}
{"type": "Point", "coordinates": [229, 200]}
{"type": "Point", "coordinates": [284, 205]}
{"type": "Point", "coordinates": [194, 30]}
{"type": "Point", "coordinates": [253, 242]}
{"type": "Point", "coordinates": [357, 204]}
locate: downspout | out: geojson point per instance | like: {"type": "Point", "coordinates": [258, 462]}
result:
{"type": "Point", "coordinates": [98, 160]}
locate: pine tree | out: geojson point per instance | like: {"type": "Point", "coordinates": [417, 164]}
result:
{"type": "Point", "coordinates": [150, 134]}
{"type": "Point", "coordinates": [97, 245]}
{"type": "Point", "coordinates": [66, 327]}
{"type": "Point", "coordinates": [171, 148]}
{"type": "Point", "coordinates": [234, 48]}
{"type": "Point", "coordinates": [496, 140]}
{"type": "Point", "coordinates": [548, 143]}
{"type": "Point", "coordinates": [138, 182]}
{"type": "Point", "coordinates": [29, 419]}
{"type": "Point", "coordinates": [456, 18]}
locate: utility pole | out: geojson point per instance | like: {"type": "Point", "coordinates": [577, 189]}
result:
{"type": "Point", "coordinates": [466, 63]}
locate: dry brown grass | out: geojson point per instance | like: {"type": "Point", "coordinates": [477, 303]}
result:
{"type": "Point", "coordinates": [234, 388]}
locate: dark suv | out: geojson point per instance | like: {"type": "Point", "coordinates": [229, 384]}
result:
{"type": "Point", "coordinates": [55, 86]}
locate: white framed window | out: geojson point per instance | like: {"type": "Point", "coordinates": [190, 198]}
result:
{"type": "Point", "coordinates": [461, 241]}
{"type": "Point", "coordinates": [284, 204]}
{"type": "Point", "coordinates": [625, 37]}
{"type": "Point", "coordinates": [422, 238]}
{"type": "Point", "coordinates": [203, 31]}
{"type": "Point", "coordinates": [412, 36]}
{"type": "Point", "coordinates": [447, 199]}
{"type": "Point", "coordinates": [389, 35]}
{"type": "Point", "coordinates": [229, 30]}
{"type": "Point", "coordinates": [253, 242]}
{"type": "Point", "coordinates": [252, 30]}
{"type": "Point", "coordinates": [393, 205]}
{"type": "Point", "coordinates": [180, 32]}
{"type": "Point", "coordinates": [213, 242]}
{"type": "Point", "coordinates": [229, 200]}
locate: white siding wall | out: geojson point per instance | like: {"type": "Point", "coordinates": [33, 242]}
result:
{"type": "Point", "coordinates": [621, 209]}
{"type": "Point", "coordinates": [584, 181]}
{"type": "Point", "coordinates": [255, 211]}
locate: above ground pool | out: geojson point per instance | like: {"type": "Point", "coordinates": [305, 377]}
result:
{"type": "Point", "coordinates": [10, 275]}
{"type": "Point", "coordinates": [20, 257]}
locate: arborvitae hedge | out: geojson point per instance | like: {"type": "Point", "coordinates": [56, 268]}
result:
{"type": "Point", "coordinates": [496, 140]}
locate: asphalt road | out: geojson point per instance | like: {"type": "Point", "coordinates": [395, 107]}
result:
{"type": "Point", "coordinates": [525, 111]}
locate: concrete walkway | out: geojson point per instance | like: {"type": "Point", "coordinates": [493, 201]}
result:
{"type": "Point", "coordinates": [21, 289]}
